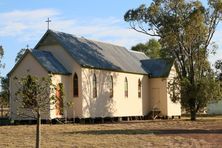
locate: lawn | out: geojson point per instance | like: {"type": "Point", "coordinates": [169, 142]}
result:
{"type": "Point", "coordinates": [206, 132]}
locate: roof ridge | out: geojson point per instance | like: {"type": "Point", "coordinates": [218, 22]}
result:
{"type": "Point", "coordinates": [136, 51]}
{"type": "Point", "coordinates": [91, 53]}
{"type": "Point", "coordinates": [92, 40]}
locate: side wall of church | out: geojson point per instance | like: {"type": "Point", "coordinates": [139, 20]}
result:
{"type": "Point", "coordinates": [75, 110]}
{"type": "Point", "coordinates": [118, 105]}
{"type": "Point", "coordinates": [27, 66]}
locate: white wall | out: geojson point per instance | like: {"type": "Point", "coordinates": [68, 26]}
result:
{"type": "Point", "coordinates": [214, 108]}
{"type": "Point", "coordinates": [158, 95]}
{"type": "Point", "coordinates": [67, 109]}
{"type": "Point", "coordinates": [174, 109]}
{"type": "Point", "coordinates": [160, 98]}
{"type": "Point", "coordinates": [73, 67]}
{"type": "Point", "coordinates": [27, 66]}
{"type": "Point", "coordinates": [119, 105]}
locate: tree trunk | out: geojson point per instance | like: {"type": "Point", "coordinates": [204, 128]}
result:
{"type": "Point", "coordinates": [193, 115]}
{"type": "Point", "coordinates": [193, 112]}
{"type": "Point", "coordinates": [38, 130]}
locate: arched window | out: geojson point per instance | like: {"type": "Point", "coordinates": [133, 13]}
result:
{"type": "Point", "coordinates": [75, 86]}
{"type": "Point", "coordinates": [139, 88]}
{"type": "Point", "coordinates": [126, 87]}
{"type": "Point", "coordinates": [94, 86]}
{"type": "Point", "coordinates": [111, 87]}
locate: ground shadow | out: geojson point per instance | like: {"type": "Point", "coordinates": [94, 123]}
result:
{"type": "Point", "coordinates": [142, 131]}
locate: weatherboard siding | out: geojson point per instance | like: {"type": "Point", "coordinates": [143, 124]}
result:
{"type": "Point", "coordinates": [73, 67]}
{"type": "Point", "coordinates": [173, 109]}
{"type": "Point", "coordinates": [118, 105]}
{"type": "Point", "coordinates": [159, 96]}
{"type": "Point", "coordinates": [28, 65]}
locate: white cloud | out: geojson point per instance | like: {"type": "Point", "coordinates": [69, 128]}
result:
{"type": "Point", "coordinates": [21, 23]}
{"type": "Point", "coordinates": [108, 29]}
{"type": "Point", "coordinates": [30, 24]}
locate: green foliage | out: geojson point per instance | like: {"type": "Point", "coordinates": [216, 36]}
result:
{"type": "Point", "coordinates": [195, 97]}
{"type": "Point", "coordinates": [218, 66]}
{"type": "Point", "coordinates": [4, 94]}
{"type": "Point", "coordinates": [152, 48]}
{"type": "Point", "coordinates": [185, 29]}
{"type": "Point", "coordinates": [34, 94]}
{"type": "Point", "coordinates": [1, 56]}
{"type": "Point", "coordinates": [20, 54]}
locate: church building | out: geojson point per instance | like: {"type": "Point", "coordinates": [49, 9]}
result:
{"type": "Point", "coordinates": [100, 79]}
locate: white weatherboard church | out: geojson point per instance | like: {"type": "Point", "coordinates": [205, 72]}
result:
{"type": "Point", "coordinates": [101, 79]}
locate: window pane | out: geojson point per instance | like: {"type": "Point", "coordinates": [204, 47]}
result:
{"type": "Point", "coordinates": [126, 87]}
{"type": "Point", "coordinates": [94, 86]}
{"type": "Point", "coordinates": [111, 87]}
{"type": "Point", "coordinates": [75, 86]}
{"type": "Point", "coordinates": [139, 88]}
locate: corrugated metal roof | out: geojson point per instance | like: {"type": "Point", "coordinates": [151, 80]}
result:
{"type": "Point", "coordinates": [138, 55]}
{"type": "Point", "coordinates": [158, 67]}
{"type": "Point", "coordinates": [49, 62]}
{"type": "Point", "coordinates": [100, 55]}
{"type": "Point", "coordinates": [107, 56]}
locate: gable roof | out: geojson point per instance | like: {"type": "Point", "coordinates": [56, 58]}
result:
{"type": "Point", "coordinates": [49, 62]}
{"type": "Point", "coordinates": [158, 67]}
{"type": "Point", "coordinates": [46, 60]}
{"type": "Point", "coordinates": [99, 55]}
{"type": "Point", "coordinates": [94, 54]}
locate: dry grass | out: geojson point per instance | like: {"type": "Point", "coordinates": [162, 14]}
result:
{"type": "Point", "coordinates": [206, 132]}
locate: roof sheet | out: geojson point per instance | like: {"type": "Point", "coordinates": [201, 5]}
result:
{"type": "Point", "coordinates": [49, 62]}
{"type": "Point", "coordinates": [158, 67]}
{"type": "Point", "coordinates": [138, 55]}
{"type": "Point", "coordinates": [94, 54]}
{"type": "Point", "coordinates": [100, 55]}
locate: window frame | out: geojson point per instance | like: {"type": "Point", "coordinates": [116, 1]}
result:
{"type": "Point", "coordinates": [111, 86]}
{"type": "Point", "coordinates": [94, 86]}
{"type": "Point", "coordinates": [139, 88]}
{"type": "Point", "coordinates": [126, 87]}
{"type": "Point", "coordinates": [75, 85]}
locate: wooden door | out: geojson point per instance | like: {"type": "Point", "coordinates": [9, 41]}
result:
{"type": "Point", "coordinates": [59, 101]}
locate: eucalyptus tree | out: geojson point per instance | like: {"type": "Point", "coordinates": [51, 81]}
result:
{"type": "Point", "coordinates": [185, 30]}
{"type": "Point", "coordinates": [152, 48]}
{"type": "Point", "coordinates": [35, 96]}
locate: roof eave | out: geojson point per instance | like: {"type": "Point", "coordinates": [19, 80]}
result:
{"type": "Point", "coordinates": [59, 73]}
{"type": "Point", "coordinates": [122, 71]}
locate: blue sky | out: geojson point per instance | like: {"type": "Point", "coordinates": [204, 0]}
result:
{"type": "Point", "coordinates": [23, 22]}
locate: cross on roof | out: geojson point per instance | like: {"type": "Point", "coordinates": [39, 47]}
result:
{"type": "Point", "coordinates": [48, 21]}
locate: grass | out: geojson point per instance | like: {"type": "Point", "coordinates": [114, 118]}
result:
{"type": "Point", "coordinates": [206, 132]}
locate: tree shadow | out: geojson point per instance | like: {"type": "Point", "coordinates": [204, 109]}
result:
{"type": "Point", "coordinates": [147, 132]}
{"type": "Point", "coordinates": [86, 52]}
{"type": "Point", "coordinates": [103, 105]}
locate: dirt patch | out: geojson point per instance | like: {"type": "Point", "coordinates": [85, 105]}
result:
{"type": "Point", "coordinates": [205, 132]}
